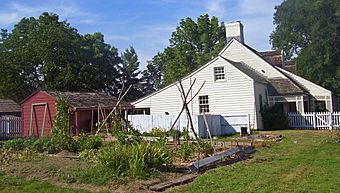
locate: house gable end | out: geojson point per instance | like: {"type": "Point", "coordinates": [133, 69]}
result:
{"type": "Point", "coordinates": [172, 84]}
{"type": "Point", "coordinates": [238, 52]}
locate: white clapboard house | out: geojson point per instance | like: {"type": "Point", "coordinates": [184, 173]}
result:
{"type": "Point", "coordinates": [238, 83]}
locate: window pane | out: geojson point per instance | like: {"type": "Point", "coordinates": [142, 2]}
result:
{"type": "Point", "coordinates": [203, 104]}
{"type": "Point", "coordinates": [219, 73]}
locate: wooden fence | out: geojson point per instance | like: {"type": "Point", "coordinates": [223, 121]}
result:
{"type": "Point", "coordinates": [314, 120]}
{"type": "Point", "coordinates": [10, 126]}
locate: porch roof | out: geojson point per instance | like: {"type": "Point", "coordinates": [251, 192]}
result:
{"type": "Point", "coordinates": [281, 86]}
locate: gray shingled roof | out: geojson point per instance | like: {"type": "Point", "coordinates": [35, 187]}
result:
{"type": "Point", "coordinates": [89, 100]}
{"type": "Point", "coordinates": [247, 70]}
{"type": "Point", "coordinates": [9, 106]}
{"type": "Point", "coordinates": [281, 86]}
{"type": "Point", "coordinates": [276, 86]}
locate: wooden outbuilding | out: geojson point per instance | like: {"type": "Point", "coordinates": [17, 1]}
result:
{"type": "Point", "coordinates": [39, 111]}
{"type": "Point", "coordinates": [9, 108]}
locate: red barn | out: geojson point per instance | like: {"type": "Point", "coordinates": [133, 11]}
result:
{"type": "Point", "coordinates": [39, 110]}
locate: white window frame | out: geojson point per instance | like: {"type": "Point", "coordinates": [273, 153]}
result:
{"type": "Point", "coordinates": [219, 75]}
{"type": "Point", "coordinates": [203, 104]}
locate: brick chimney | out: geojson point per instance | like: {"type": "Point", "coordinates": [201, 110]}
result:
{"type": "Point", "coordinates": [234, 30]}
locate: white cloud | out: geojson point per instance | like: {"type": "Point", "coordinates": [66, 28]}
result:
{"type": "Point", "coordinates": [117, 37]}
{"type": "Point", "coordinates": [13, 12]}
{"type": "Point", "coordinates": [7, 18]}
{"type": "Point", "coordinates": [215, 8]}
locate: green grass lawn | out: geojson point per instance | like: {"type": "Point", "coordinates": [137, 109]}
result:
{"type": "Point", "coordinates": [12, 184]}
{"type": "Point", "coordinates": [304, 161]}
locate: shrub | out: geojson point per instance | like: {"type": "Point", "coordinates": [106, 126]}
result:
{"type": "Point", "coordinates": [206, 148]}
{"type": "Point", "coordinates": [186, 150]}
{"type": "Point", "coordinates": [89, 155]}
{"type": "Point", "coordinates": [41, 144]}
{"type": "Point", "coordinates": [133, 159]}
{"type": "Point", "coordinates": [176, 134]}
{"type": "Point", "coordinates": [274, 118]}
{"type": "Point", "coordinates": [156, 132]}
{"type": "Point", "coordinates": [87, 142]}
{"type": "Point", "coordinates": [18, 144]}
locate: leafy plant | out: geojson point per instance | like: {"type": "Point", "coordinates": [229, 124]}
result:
{"type": "Point", "coordinates": [88, 142]}
{"type": "Point", "coordinates": [156, 132]}
{"type": "Point", "coordinates": [136, 159]}
{"type": "Point", "coordinates": [60, 131]}
{"type": "Point", "coordinates": [206, 148]}
{"type": "Point", "coordinates": [89, 155]}
{"type": "Point", "coordinates": [274, 118]}
{"type": "Point", "coordinates": [186, 150]}
{"type": "Point", "coordinates": [18, 144]}
{"type": "Point", "coordinates": [7, 155]}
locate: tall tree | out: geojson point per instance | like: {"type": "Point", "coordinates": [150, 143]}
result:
{"type": "Point", "coordinates": [130, 73]}
{"type": "Point", "coordinates": [46, 53]}
{"type": "Point", "coordinates": [309, 32]}
{"type": "Point", "coordinates": [152, 77]}
{"type": "Point", "coordinates": [100, 69]}
{"type": "Point", "coordinates": [191, 45]}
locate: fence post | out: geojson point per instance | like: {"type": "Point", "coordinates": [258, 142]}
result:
{"type": "Point", "coordinates": [314, 120]}
{"type": "Point", "coordinates": [248, 123]}
{"type": "Point", "coordinates": [330, 120]}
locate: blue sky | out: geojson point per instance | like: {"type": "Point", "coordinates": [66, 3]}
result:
{"type": "Point", "coordinates": [146, 24]}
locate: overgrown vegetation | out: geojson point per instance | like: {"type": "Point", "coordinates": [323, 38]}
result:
{"type": "Point", "coordinates": [129, 156]}
{"type": "Point", "coordinates": [175, 133]}
{"type": "Point", "coordinates": [60, 131]}
{"type": "Point", "coordinates": [274, 118]}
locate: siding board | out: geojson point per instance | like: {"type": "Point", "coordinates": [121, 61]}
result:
{"type": "Point", "coordinates": [234, 96]}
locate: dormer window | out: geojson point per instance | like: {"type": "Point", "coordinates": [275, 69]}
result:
{"type": "Point", "coordinates": [219, 73]}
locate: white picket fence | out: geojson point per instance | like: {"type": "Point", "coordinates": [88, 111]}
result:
{"type": "Point", "coordinates": [10, 126]}
{"type": "Point", "coordinates": [314, 120]}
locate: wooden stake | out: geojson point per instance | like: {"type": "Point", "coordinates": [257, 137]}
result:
{"type": "Point", "coordinates": [208, 129]}
{"type": "Point", "coordinates": [30, 131]}
{"type": "Point", "coordinates": [43, 123]}
{"type": "Point", "coordinates": [114, 109]}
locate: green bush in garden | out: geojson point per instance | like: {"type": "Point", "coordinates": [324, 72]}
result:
{"type": "Point", "coordinates": [136, 159]}
{"type": "Point", "coordinates": [186, 150]}
{"type": "Point", "coordinates": [274, 118]}
{"type": "Point", "coordinates": [87, 142]}
{"type": "Point", "coordinates": [60, 130]}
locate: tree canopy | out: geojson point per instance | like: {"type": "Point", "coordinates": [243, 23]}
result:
{"type": "Point", "coordinates": [45, 53]}
{"type": "Point", "coordinates": [309, 32]}
{"type": "Point", "coordinates": [190, 46]}
{"type": "Point", "coordinates": [130, 73]}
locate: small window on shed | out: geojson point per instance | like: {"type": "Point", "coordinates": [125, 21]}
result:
{"type": "Point", "coordinates": [219, 73]}
{"type": "Point", "coordinates": [203, 104]}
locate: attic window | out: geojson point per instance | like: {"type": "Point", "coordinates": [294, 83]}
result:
{"type": "Point", "coordinates": [219, 73]}
{"type": "Point", "coordinates": [203, 104]}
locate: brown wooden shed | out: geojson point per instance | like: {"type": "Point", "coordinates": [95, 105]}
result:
{"type": "Point", "coordinates": [38, 111]}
